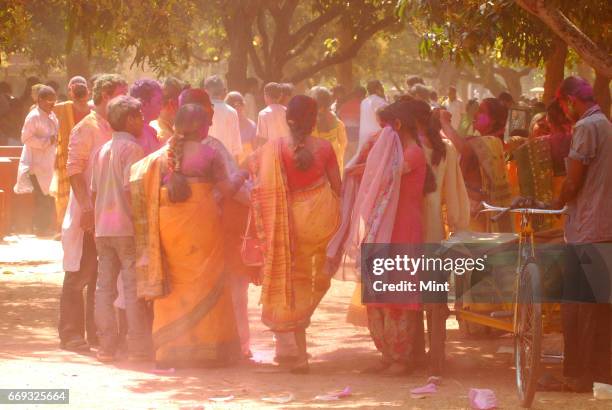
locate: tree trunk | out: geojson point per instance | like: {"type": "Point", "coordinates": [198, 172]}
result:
{"type": "Point", "coordinates": [77, 64]}
{"type": "Point", "coordinates": [344, 70]}
{"type": "Point", "coordinates": [239, 34]}
{"type": "Point", "coordinates": [554, 70]}
{"type": "Point", "coordinates": [602, 92]}
{"type": "Point", "coordinates": [585, 71]}
{"type": "Point", "coordinates": [512, 78]}
{"type": "Point", "coordinates": [487, 79]}
{"type": "Point", "coordinates": [238, 23]}
{"type": "Point", "coordinates": [552, 17]}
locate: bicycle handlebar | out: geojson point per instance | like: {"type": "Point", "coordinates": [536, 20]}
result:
{"type": "Point", "coordinates": [504, 210]}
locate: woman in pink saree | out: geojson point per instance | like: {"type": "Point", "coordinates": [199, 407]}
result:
{"type": "Point", "coordinates": [388, 209]}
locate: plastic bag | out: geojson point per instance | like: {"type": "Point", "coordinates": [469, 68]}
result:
{"type": "Point", "coordinates": [482, 399]}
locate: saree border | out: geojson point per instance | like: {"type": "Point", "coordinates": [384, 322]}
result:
{"type": "Point", "coordinates": [199, 311]}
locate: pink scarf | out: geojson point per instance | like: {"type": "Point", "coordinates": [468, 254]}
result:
{"type": "Point", "coordinates": [369, 207]}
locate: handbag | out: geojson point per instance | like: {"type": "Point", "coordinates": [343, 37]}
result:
{"type": "Point", "coordinates": [251, 251]}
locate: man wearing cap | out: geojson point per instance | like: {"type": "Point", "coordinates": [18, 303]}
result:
{"type": "Point", "coordinates": [68, 113]}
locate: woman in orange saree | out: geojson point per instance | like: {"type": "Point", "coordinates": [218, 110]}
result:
{"type": "Point", "coordinates": [296, 209]}
{"type": "Point", "coordinates": [180, 244]}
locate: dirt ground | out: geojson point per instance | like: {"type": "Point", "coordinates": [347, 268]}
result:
{"type": "Point", "coordinates": [30, 284]}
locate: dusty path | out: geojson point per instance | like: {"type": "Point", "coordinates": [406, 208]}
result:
{"type": "Point", "coordinates": [30, 283]}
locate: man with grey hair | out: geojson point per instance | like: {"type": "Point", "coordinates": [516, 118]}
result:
{"type": "Point", "coordinates": [114, 230]}
{"type": "Point", "coordinates": [80, 258]}
{"type": "Point", "coordinates": [225, 126]}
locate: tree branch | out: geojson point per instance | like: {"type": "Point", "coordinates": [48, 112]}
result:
{"type": "Point", "coordinates": [257, 65]}
{"type": "Point", "coordinates": [206, 60]}
{"type": "Point", "coordinates": [314, 25]}
{"type": "Point", "coordinates": [301, 47]}
{"type": "Point", "coordinates": [552, 17]}
{"type": "Point", "coordinates": [344, 54]}
{"type": "Point", "coordinates": [265, 40]}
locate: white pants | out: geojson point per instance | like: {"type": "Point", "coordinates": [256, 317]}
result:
{"type": "Point", "coordinates": [240, 299]}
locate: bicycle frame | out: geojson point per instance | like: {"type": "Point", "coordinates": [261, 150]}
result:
{"type": "Point", "coordinates": [526, 241]}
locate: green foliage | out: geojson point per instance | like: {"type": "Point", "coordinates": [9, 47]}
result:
{"type": "Point", "coordinates": [461, 29]}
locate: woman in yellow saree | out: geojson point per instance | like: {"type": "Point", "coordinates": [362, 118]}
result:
{"type": "Point", "coordinates": [296, 208]}
{"type": "Point", "coordinates": [329, 127]}
{"type": "Point", "coordinates": [483, 164]}
{"type": "Point", "coordinates": [180, 246]}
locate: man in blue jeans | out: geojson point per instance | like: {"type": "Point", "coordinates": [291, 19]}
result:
{"type": "Point", "coordinates": [115, 232]}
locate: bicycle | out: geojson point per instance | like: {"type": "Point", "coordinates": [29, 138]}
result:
{"type": "Point", "coordinates": [527, 315]}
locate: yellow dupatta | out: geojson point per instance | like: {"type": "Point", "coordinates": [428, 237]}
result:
{"type": "Point", "coordinates": [145, 177]}
{"type": "Point", "coordinates": [271, 213]}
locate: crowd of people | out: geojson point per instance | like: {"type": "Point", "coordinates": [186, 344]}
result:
{"type": "Point", "coordinates": [173, 199]}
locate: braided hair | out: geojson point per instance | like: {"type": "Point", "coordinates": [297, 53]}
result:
{"type": "Point", "coordinates": [187, 124]}
{"type": "Point", "coordinates": [301, 118]}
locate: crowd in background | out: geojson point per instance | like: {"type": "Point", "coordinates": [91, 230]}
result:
{"type": "Point", "coordinates": [159, 186]}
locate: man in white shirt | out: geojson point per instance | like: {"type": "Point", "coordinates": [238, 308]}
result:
{"type": "Point", "coordinates": [272, 122]}
{"type": "Point", "coordinates": [80, 256]}
{"type": "Point", "coordinates": [368, 123]}
{"type": "Point", "coordinates": [225, 126]}
{"type": "Point", "coordinates": [455, 106]}
{"type": "Point", "coordinates": [39, 137]}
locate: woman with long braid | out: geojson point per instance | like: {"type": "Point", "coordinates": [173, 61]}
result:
{"type": "Point", "coordinates": [181, 246]}
{"type": "Point", "coordinates": [295, 203]}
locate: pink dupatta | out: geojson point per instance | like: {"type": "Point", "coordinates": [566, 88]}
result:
{"type": "Point", "coordinates": [369, 207]}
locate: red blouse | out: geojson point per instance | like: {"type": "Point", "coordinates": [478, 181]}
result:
{"type": "Point", "coordinates": [324, 160]}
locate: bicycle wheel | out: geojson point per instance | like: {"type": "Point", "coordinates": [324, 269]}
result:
{"type": "Point", "coordinates": [528, 337]}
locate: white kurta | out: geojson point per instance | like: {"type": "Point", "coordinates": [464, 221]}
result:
{"type": "Point", "coordinates": [368, 124]}
{"type": "Point", "coordinates": [456, 108]}
{"type": "Point", "coordinates": [226, 128]}
{"type": "Point", "coordinates": [39, 137]}
{"type": "Point", "coordinates": [272, 122]}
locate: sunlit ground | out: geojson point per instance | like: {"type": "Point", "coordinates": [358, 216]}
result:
{"type": "Point", "coordinates": [30, 284]}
